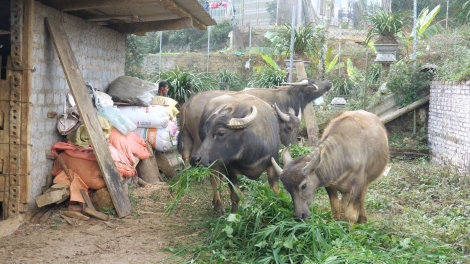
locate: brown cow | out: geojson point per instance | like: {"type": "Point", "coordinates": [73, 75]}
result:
{"type": "Point", "coordinates": [352, 153]}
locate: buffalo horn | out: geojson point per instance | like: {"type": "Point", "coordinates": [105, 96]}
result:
{"type": "Point", "coordinates": [303, 82]}
{"type": "Point", "coordinates": [286, 157]}
{"type": "Point", "coordinates": [300, 114]}
{"type": "Point", "coordinates": [238, 123]}
{"type": "Point", "coordinates": [285, 118]}
{"type": "Point", "coordinates": [276, 166]}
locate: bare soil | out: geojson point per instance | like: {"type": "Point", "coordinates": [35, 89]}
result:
{"type": "Point", "coordinates": [141, 237]}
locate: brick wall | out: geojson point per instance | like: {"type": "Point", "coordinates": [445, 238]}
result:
{"type": "Point", "coordinates": [100, 53]}
{"type": "Point", "coordinates": [449, 124]}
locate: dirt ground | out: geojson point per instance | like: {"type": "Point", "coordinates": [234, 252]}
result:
{"type": "Point", "coordinates": [138, 238]}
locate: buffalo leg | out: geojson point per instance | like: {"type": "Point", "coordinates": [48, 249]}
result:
{"type": "Point", "coordinates": [234, 188]}
{"type": "Point", "coordinates": [334, 202]}
{"type": "Point", "coordinates": [352, 211]}
{"type": "Point", "coordinates": [362, 207]}
{"type": "Point", "coordinates": [216, 201]}
{"type": "Point", "coordinates": [344, 205]}
{"type": "Point", "coordinates": [273, 179]}
{"type": "Point", "coordinates": [185, 145]}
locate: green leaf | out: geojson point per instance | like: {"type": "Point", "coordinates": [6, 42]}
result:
{"type": "Point", "coordinates": [233, 218]}
{"type": "Point", "coordinates": [228, 230]}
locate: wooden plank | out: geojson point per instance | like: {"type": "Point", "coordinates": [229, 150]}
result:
{"type": "Point", "coordinates": [4, 142]}
{"type": "Point", "coordinates": [71, 5]}
{"type": "Point", "coordinates": [88, 116]}
{"type": "Point", "coordinates": [26, 88]}
{"type": "Point", "coordinates": [404, 110]}
{"type": "Point", "coordinates": [173, 24]}
{"type": "Point", "coordinates": [181, 12]}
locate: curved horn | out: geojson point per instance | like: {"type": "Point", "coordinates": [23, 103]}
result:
{"type": "Point", "coordinates": [300, 114]}
{"type": "Point", "coordinates": [286, 157]}
{"type": "Point", "coordinates": [238, 123]}
{"type": "Point", "coordinates": [276, 167]}
{"type": "Point", "coordinates": [316, 87]}
{"type": "Point", "coordinates": [303, 82]}
{"type": "Point", "coordinates": [285, 118]}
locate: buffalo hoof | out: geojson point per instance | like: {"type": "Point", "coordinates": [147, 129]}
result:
{"type": "Point", "coordinates": [219, 208]}
{"type": "Point", "coordinates": [234, 208]}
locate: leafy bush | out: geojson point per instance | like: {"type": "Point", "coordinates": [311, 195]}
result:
{"type": "Point", "coordinates": [406, 83]}
{"type": "Point", "coordinates": [307, 40]}
{"type": "Point", "coordinates": [232, 79]}
{"type": "Point", "coordinates": [182, 84]}
{"type": "Point", "coordinates": [268, 76]}
{"type": "Point", "coordinates": [386, 25]}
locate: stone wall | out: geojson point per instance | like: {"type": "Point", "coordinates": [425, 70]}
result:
{"type": "Point", "coordinates": [449, 124]}
{"type": "Point", "coordinates": [100, 53]}
{"type": "Point", "coordinates": [197, 62]}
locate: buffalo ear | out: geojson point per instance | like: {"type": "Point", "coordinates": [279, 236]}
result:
{"type": "Point", "coordinates": [286, 157]}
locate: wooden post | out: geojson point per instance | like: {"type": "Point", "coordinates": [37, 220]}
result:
{"type": "Point", "coordinates": [26, 88]}
{"type": "Point", "coordinates": [89, 117]}
{"type": "Point", "coordinates": [15, 81]}
{"type": "Point", "coordinates": [309, 112]}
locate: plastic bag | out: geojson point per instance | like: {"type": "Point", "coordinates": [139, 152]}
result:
{"type": "Point", "coordinates": [132, 90]}
{"type": "Point", "coordinates": [119, 121]}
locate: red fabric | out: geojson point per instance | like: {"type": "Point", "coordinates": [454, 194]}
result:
{"type": "Point", "coordinates": [215, 5]}
{"type": "Point", "coordinates": [137, 145]}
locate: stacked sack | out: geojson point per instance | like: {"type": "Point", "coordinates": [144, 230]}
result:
{"type": "Point", "coordinates": [153, 116]}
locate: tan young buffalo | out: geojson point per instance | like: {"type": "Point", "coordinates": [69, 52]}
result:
{"type": "Point", "coordinates": [352, 153]}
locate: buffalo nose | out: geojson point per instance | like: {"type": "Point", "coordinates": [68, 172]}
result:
{"type": "Point", "coordinates": [194, 161]}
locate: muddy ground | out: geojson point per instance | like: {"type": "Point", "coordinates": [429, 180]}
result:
{"type": "Point", "coordinates": [141, 237]}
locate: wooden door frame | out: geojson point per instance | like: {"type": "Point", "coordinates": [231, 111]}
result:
{"type": "Point", "coordinates": [16, 169]}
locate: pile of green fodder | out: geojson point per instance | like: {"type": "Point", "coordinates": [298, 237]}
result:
{"type": "Point", "coordinates": [264, 231]}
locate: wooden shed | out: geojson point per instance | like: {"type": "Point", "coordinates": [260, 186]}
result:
{"type": "Point", "coordinates": [34, 83]}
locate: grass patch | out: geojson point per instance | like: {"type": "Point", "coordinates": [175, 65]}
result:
{"type": "Point", "coordinates": [417, 214]}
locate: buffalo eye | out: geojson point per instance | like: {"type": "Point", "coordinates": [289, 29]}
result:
{"type": "Point", "coordinates": [220, 133]}
{"type": "Point", "coordinates": [289, 128]}
{"type": "Point", "coordinates": [304, 186]}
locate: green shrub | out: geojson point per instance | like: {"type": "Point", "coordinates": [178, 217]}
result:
{"type": "Point", "coordinates": [406, 83]}
{"type": "Point", "coordinates": [182, 83]}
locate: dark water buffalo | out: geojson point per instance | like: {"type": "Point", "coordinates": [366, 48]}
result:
{"type": "Point", "coordinates": [295, 96]}
{"type": "Point", "coordinates": [352, 153]}
{"type": "Point", "coordinates": [240, 133]}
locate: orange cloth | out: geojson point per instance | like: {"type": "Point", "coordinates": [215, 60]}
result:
{"type": "Point", "coordinates": [123, 165]}
{"type": "Point", "coordinates": [137, 145]}
{"type": "Point", "coordinates": [119, 141]}
{"type": "Point", "coordinates": [88, 170]}
{"type": "Point", "coordinates": [75, 187]}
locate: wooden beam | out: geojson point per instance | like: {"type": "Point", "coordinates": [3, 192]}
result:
{"type": "Point", "coordinates": [89, 117]}
{"type": "Point", "coordinates": [174, 24]}
{"type": "Point", "coordinates": [181, 12]}
{"type": "Point", "coordinates": [101, 18]}
{"type": "Point", "coordinates": [25, 138]}
{"type": "Point", "coordinates": [404, 110]}
{"type": "Point", "coordinates": [72, 5]}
